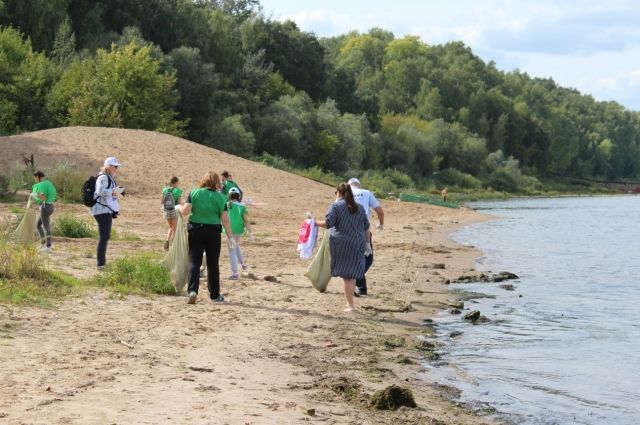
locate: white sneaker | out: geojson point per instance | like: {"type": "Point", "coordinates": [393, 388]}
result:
{"type": "Point", "coordinates": [192, 297]}
{"type": "Point", "coordinates": [42, 247]}
{"type": "Point", "coordinates": [47, 249]}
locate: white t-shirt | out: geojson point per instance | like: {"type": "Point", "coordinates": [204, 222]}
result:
{"type": "Point", "coordinates": [366, 199]}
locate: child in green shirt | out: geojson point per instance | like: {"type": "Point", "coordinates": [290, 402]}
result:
{"type": "Point", "coordinates": [239, 218]}
{"type": "Point", "coordinates": [170, 198]}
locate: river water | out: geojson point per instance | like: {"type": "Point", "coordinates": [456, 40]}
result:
{"type": "Point", "coordinates": [563, 347]}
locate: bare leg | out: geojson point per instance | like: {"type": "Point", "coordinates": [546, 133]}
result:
{"type": "Point", "coordinates": [349, 286]}
{"type": "Point", "coordinates": [173, 224]}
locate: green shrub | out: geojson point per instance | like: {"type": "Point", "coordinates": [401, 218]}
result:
{"type": "Point", "coordinates": [17, 178]}
{"type": "Point", "coordinates": [25, 279]}
{"type": "Point", "coordinates": [70, 226]}
{"type": "Point", "coordinates": [399, 179]}
{"type": "Point", "coordinates": [274, 161]}
{"type": "Point", "coordinates": [68, 182]}
{"type": "Point", "coordinates": [316, 173]}
{"type": "Point", "coordinates": [502, 180]}
{"type": "Point", "coordinates": [138, 274]}
{"type": "Point", "coordinates": [455, 178]}
{"type": "Point", "coordinates": [378, 183]}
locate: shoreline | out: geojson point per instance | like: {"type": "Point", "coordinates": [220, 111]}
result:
{"type": "Point", "coordinates": [285, 348]}
{"type": "Point", "coordinates": [278, 352]}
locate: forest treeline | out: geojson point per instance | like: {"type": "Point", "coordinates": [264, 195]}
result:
{"type": "Point", "coordinates": [223, 74]}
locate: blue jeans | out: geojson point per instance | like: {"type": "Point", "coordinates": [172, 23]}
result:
{"type": "Point", "coordinates": [361, 283]}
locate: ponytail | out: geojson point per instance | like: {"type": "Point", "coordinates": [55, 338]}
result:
{"type": "Point", "coordinates": [345, 192]}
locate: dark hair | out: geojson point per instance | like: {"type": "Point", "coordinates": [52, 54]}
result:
{"type": "Point", "coordinates": [345, 192]}
{"type": "Point", "coordinates": [234, 196]}
{"type": "Point", "coordinates": [173, 180]}
{"type": "Point", "coordinates": [39, 174]}
{"type": "Point", "coordinates": [225, 174]}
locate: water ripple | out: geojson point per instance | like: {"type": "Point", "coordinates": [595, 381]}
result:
{"type": "Point", "coordinates": [562, 347]}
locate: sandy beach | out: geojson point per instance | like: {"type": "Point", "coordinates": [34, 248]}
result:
{"type": "Point", "coordinates": [278, 352]}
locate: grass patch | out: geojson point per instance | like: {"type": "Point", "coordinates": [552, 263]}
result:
{"type": "Point", "coordinates": [68, 181]}
{"type": "Point", "coordinates": [25, 279]}
{"type": "Point", "coordinates": [72, 227]}
{"type": "Point", "coordinates": [16, 210]}
{"type": "Point", "coordinates": [7, 226]}
{"type": "Point", "coordinates": [123, 236]}
{"type": "Point", "coordinates": [138, 274]}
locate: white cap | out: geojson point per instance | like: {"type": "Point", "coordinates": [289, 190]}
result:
{"type": "Point", "coordinates": [234, 190]}
{"type": "Point", "coordinates": [112, 160]}
{"type": "Point", "coordinates": [354, 180]}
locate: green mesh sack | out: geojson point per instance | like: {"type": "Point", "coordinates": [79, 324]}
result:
{"type": "Point", "coordinates": [25, 233]}
{"type": "Point", "coordinates": [319, 271]}
{"type": "Point", "coordinates": [177, 259]}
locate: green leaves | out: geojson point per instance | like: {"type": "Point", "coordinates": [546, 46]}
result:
{"type": "Point", "coordinates": [123, 87]}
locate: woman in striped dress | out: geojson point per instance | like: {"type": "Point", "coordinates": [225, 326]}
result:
{"type": "Point", "coordinates": [348, 225]}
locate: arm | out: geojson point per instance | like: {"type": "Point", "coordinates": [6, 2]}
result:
{"type": "Point", "coordinates": [184, 209]}
{"type": "Point", "coordinates": [330, 218]}
{"type": "Point", "coordinates": [224, 218]}
{"type": "Point", "coordinates": [245, 218]}
{"type": "Point", "coordinates": [380, 213]}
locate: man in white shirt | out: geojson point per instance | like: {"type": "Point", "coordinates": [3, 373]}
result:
{"type": "Point", "coordinates": [368, 202]}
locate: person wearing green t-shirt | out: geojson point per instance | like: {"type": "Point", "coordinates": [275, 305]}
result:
{"type": "Point", "coordinates": [44, 194]}
{"type": "Point", "coordinates": [239, 218]}
{"type": "Point", "coordinates": [207, 211]}
{"type": "Point", "coordinates": [228, 184]}
{"type": "Point", "coordinates": [170, 198]}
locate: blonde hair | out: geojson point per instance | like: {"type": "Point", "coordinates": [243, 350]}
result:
{"type": "Point", "coordinates": [211, 180]}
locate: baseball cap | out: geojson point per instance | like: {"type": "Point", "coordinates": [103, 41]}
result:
{"type": "Point", "coordinates": [234, 190]}
{"type": "Point", "coordinates": [112, 160]}
{"type": "Point", "coordinates": [353, 180]}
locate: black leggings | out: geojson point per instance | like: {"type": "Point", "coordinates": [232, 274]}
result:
{"type": "Point", "coordinates": [205, 239]}
{"type": "Point", "coordinates": [104, 231]}
{"type": "Point", "coordinates": [44, 224]}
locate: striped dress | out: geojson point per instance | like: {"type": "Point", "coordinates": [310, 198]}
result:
{"type": "Point", "coordinates": [346, 241]}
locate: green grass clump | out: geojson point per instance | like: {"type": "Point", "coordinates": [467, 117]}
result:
{"type": "Point", "coordinates": [25, 279]}
{"type": "Point", "coordinates": [138, 274]}
{"type": "Point", "coordinates": [72, 227]}
{"type": "Point", "coordinates": [16, 210]}
{"type": "Point", "coordinates": [68, 181]}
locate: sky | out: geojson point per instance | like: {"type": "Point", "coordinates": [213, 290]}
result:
{"type": "Point", "coordinates": [593, 46]}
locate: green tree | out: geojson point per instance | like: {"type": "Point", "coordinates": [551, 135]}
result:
{"type": "Point", "coordinates": [232, 136]}
{"type": "Point", "coordinates": [40, 19]}
{"type": "Point", "coordinates": [122, 87]}
{"type": "Point", "coordinates": [197, 83]}
{"type": "Point", "coordinates": [64, 45]}
{"type": "Point", "coordinates": [25, 81]}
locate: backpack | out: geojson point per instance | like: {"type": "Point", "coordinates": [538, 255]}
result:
{"type": "Point", "coordinates": [89, 189]}
{"type": "Point", "coordinates": [168, 202]}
